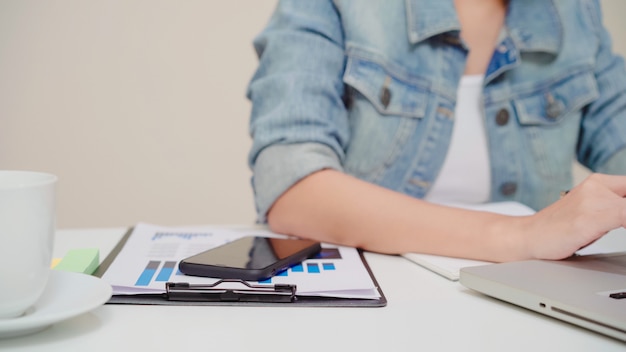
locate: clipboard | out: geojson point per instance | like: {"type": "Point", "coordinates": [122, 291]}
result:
{"type": "Point", "coordinates": [181, 293]}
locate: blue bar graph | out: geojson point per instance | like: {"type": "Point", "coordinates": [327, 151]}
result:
{"type": "Point", "coordinates": [147, 274]}
{"type": "Point", "coordinates": [313, 268]}
{"type": "Point", "coordinates": [328, 253]}
{"type": "Point", "coordinates": [166, 272]}
{"type": "Point", "coordinates": [328, 266]}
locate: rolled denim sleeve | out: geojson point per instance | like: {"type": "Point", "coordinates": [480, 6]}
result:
{"type": "Point", "coordinates": [616, 165]}
{"type": "Point", "coordinates": [282, 165]}
{"type": "Point", "coordinates": [298, 121]}
{"type": "Point", "coordinates": [602, 142]}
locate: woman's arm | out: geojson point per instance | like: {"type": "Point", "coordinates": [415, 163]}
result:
{"type": "Point", "coordinates": [334, 207]}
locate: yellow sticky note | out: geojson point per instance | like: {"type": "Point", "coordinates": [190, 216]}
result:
{"type": "Point", "coordinates": [54, 263]}
{"type": "Point", "coordinates": [83, 260]}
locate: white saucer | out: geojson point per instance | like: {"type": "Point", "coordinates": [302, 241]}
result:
{"type": "Point", "coordinates": [66, 295]}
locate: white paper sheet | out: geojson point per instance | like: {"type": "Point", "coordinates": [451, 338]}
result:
{"type": "Point", "coordinates": [151, 255]}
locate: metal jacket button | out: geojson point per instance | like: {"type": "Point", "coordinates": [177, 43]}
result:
{"type": "Point", "coordinates": [385, 93]}
{"type": "Point", "coordinates": [508, 188]}
{"type": "Point", "coordinates": [502, 117]}
{"type": "Point", "coordinates": [554, 107]}
{"type": "Point", "coordinates": [385, 97]}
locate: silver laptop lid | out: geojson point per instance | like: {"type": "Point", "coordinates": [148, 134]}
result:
{"type": "Point", "coordinates": [589, 291]}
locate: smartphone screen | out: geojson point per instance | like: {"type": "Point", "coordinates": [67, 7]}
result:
{"type": "Point", "coordinates": [250, 258]}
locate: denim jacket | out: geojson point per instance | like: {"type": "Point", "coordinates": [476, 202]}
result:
{"type": "Point", "coordinates": [369, 88]}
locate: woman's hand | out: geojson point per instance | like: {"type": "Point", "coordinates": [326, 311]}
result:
{"type": "Point", "coordinates": [586, 213]}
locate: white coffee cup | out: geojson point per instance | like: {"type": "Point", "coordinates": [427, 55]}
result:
{"type": "Point", "coordinates": [27, 226]}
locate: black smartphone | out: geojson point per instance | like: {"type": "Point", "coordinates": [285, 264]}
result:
{"type": "Point", "coordinates": [250, 258]}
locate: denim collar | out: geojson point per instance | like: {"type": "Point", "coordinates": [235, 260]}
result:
{"type": "Point", "coordinates": [533, 25]}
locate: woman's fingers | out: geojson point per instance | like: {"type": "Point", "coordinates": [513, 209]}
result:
{"type": "Point", "coordinates": [614, 183]}
{"type": "Point", "coordinates": [590, 210]}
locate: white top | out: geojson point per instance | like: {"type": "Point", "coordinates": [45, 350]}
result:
{"type": "Point", "coordinates": [465, 174]}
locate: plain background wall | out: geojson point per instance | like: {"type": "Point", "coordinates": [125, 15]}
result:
{"type": "Point", "coordinates": [139, 105]}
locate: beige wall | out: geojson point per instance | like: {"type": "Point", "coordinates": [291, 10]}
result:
{"type": "Point", "coordinates": [138, 105]}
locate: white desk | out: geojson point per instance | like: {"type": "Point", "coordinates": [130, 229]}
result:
{"type": "Point", "coordinates": [425, 312]}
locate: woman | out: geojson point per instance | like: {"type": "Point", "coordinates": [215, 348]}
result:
{"type": "Point", "coordinates": [368, 117]}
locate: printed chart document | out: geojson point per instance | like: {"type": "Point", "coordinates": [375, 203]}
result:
{"type": "Point", "coordinates": [151, 255]}
{"type": "Point", "coordinates": [449, 267]}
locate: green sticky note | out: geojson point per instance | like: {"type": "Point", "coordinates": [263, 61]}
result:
{"type": "Point", "coordinates": [83, 260]}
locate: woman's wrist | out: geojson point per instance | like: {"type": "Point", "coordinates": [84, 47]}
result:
{"type": "Point", "coordinates": [510, 233]}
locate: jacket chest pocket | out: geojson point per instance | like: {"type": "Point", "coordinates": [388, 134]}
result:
{"type": "Point", "coordinates": [390, 90]}
{"type": "Point", "coordinates": [550, 117]}
{"type": "Point", "coordinates": [386, 105]}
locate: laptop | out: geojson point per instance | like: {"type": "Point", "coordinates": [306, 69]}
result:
{"type": "Point", "coordinates": [589, 290]}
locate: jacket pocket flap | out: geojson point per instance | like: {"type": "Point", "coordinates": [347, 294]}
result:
{"type": "Point", "coordinates": [550, 103]}
{"type": "Point", "coordinates": [391, 91]}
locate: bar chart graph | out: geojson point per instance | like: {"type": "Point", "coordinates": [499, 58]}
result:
{"type": "Point", "coordinates": [151, 255]}
{"type": "Point", "coordinates": [164, 271]}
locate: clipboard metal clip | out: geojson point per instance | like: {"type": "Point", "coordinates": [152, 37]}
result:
{"type": "Point", "coordinates": [183, 291]}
